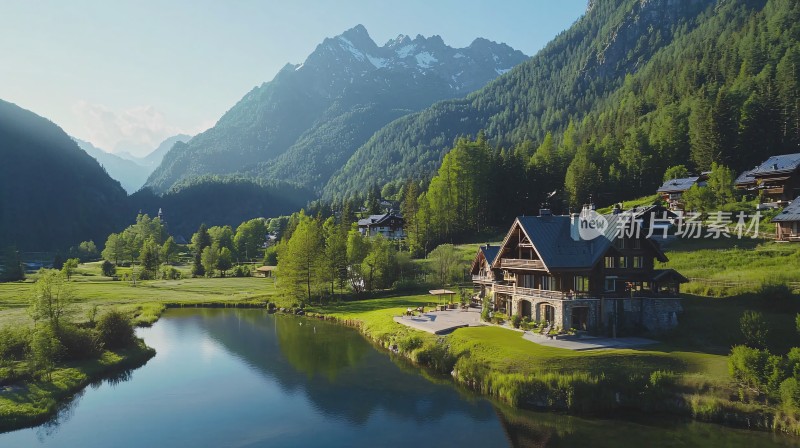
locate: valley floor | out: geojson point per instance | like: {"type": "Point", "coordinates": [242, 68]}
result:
{"type": "Point", "coordinates": [686, 373]}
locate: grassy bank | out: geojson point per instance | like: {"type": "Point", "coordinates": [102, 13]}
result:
{"type": "Point", "coordinates": [686, 374]}
{"type": "Point", "coordinates": [143, 300]}
{"type": "Point", "coordinates": [36, 401]}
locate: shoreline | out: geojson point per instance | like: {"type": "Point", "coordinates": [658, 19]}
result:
{"type": "Point", "coordinates": [36, 402]}
{"type": "Point", "coordinates": [579, 395]}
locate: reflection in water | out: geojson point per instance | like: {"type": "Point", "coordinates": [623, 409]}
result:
{"type": "Point", "coordinates": [526, 429]}
{"type": "Point", "coordinates": [244, 378]}
{"type": "Point", "coordinates": [335, 367]}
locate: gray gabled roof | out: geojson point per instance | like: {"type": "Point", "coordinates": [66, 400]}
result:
{"type": "Point", "coordinates": [790, 213]}
{"type": "Point", "coordinates": [553, 242]}
{"type": "Point", "coordinates": [551, 238]}
{"type": "Point", "coordinates": [677, 185]}
{"type": "Point", "coordinates": [746, 177]}
{"type": "Point", "coordinates": [373, 220]}
{"type": "Point", "coordinates": [489, 253]}
{"type": "Point", "coordinates": [782, 164]}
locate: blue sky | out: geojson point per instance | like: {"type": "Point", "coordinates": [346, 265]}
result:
{"type": "Point", "coordinates": [127, 74]}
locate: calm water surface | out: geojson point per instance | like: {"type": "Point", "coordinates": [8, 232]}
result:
{"type": "Point", "coordinates": [242, 378]}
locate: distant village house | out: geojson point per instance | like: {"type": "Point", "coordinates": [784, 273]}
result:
{"type": "Point", "coordinates": [390, 225]}
{"type": "Point", "coordinates": [672, 190]}
{"type": "Point", "coordinates": [787, 223]}
{"type": "Point", "coordinates": [777, 180]}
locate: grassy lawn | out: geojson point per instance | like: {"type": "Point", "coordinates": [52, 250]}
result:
{"type": "Point", "coordinates": [93, 289]}
{"type": "Point", "coordinates": [506, 350]}
{"type": "Point", "coordinates": [744, 260]}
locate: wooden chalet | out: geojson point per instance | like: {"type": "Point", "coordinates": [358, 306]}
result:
{"type": "Point", "coordinates": [544, 270]}
{"type": "Point", "coordinates": [777, 180]}
{"type": "Point", "coordinates": [672, 190]}
{"type": "Point", "coordinates": [390, 225]}
{"type": "Point", "coordinates": [483, 276]}
{"type": "Point", "coordinates": [787, 223]}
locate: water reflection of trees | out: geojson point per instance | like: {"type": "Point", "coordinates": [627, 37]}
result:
{"type": "Point", "coordinates": [66, 409]}
{"type": "Point", "coordinates": [335, 367]}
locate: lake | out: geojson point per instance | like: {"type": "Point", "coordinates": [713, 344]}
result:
{"type": "Point", "coordinates": [243, 378]}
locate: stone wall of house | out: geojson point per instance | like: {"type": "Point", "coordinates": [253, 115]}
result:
{"type": "Point", "coordinates": [661, 314]}
{"type": "Point", "coordinates": [562, 310]}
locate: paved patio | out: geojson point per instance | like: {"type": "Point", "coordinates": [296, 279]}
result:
{"type": "Point", "coordinates": [442, 322]}
{"type": "Point", "coordinates": [589, 343]}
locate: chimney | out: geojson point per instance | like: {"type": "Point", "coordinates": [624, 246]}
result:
{"type": "Point", "coordinates": [545, 212]}
{"type": "Point", "coordinates": [574, 227]}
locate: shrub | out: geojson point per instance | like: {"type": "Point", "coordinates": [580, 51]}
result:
{"type": "Point", "coordinates": [775, 293]}
{"type": "Point", "coordinates": [46, 350]}
{"type": "Point", "coordinates": [660, 380]}
{"type": "Point", "coordinates": [14, 343]}
{"type": "Point", "coordinates": [436, 356]}
{"type": "Point", "coordinates": [749, 367]}
{"type": "Point", "coordinates": [409, 343]}
{"type": "Point", "coordinates": [115, 330]}
{"type": "Point", "coordinates": [790, 393]}
{"type": "Point", "coordinates": [170, 273]}
{"type": "Point", "coordinates": [754, 329]}
{"type": "Point", "coordinates": [241, 271]}
{"type": "Point", "coordinates": [108, 268]}
{"type": "Point", "coordinates": [516, 320]}
{"type": "Point", "coordinates": [78, 343]}
{"type": "Point", "coordinates": [144, 275]}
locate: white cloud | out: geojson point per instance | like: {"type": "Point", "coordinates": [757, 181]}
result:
{"type": "Point", "coordinates": [137, 130]}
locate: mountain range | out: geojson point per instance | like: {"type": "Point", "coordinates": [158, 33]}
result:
{"type": "Point", "coordinates": [305, 123]}
{"type": "Point", "coordinates": [630, 89]}
{"type": "Point", "coordinates": [129, 170]}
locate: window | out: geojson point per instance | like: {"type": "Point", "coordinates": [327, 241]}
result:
{"type": "Point", "coordinates": [623, 262]}
{"type": "Point", "coordinates": [637, 244]}
{"type": "Point", "coordinates": [549, 283]}
{"type": "Point", "coordinates": [620, 243]}
{"type": "Point", "coordinates": [611, 262]}
{"type": "Point", "coordinates": [638, 262]}
{"type": "Point", "coordinates": [611, 284]}
{"type": "Point", "coordinates": [581, 283]}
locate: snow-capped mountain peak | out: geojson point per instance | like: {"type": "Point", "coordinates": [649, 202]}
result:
{"type": "Point", "coordinates": [354, 55]}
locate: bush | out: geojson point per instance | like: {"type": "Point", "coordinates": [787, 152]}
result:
{"type": "Point", "coordinates": [170, 273]}
{"type": "Point", "coordinates": [775, 293]}
{"type": "Point", "coordinates": [660, 380]}
{"type": "Point", "coordinates": [14, 343]}
{"type": "Point", "coordinates": [46, 350]}
{"type": "Point", "coordinates": [78, 343]}
{"type": "Point", "coordinates": [115, 330]}
{"type": "Point", "coordinates": [409, 343]}
{"type": "Point", "coordinates": [145, 275]}
{"type": "Point", "coordinates": [790, 393]}
{"type": "Point", "coordinates": [756, 369]}
{"type": "Point", "coordinates": [241, 271]}
{"type": "Point", "coordinates": [516, 321]}
{"type": "Point", "coordinates": [108, 268]}
{"type": "Point", "coordinates": [754, 329]}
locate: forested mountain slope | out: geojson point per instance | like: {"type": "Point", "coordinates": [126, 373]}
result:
{"type": "Point", "coordinates": [52, 194]}
{"type": "Point", "coordinates": [631, 88]}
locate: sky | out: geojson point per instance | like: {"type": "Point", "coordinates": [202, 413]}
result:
{"type": "Point", "coordinates": [124, 75]}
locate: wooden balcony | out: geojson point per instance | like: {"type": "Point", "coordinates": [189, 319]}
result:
{"type": "Point", "coordinates": [537, 293]}
{"type": "Point", "coordinates": [482, 278]}
{"type": "Point", "coordinates": [514, 263]}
